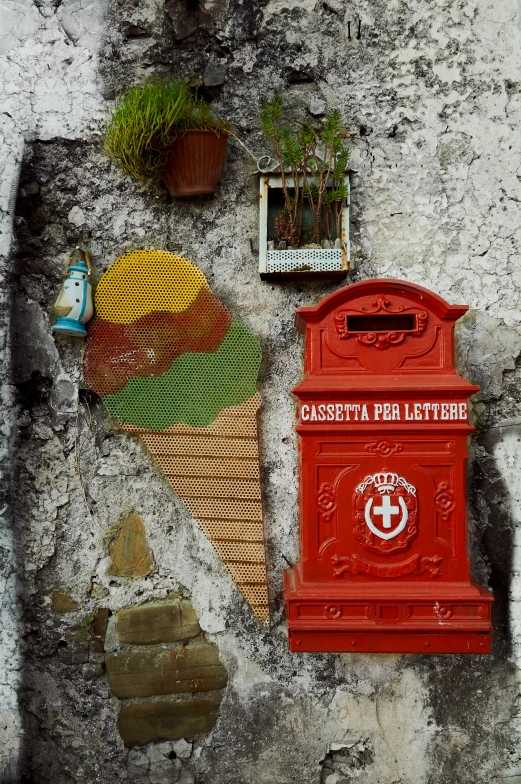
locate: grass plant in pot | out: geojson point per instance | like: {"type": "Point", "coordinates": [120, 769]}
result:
{"type": "Point", "coordinates": [161, 131]}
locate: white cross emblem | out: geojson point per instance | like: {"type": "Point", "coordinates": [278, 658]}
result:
{"type": "Point", "coordinates": [387, 510]}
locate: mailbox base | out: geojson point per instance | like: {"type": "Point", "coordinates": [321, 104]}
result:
{"type": "Point", "coordinates": [387, 641]}
{"type": "Point", "coordinates": [420, 618]}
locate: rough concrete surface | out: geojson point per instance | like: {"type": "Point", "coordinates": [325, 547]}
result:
{"type": "Point", "coordinates": [432, 91]}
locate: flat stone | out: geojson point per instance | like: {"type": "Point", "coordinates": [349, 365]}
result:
{"type": "Point", "coordinates": [156, 671]}
{"type": "Point", "coordinates": [111, 638]}
{"type": "Point", "coordinates": [92, 670]}
{"type": "Point", "coordinates": [182, 749]}
{"type": "Point", "coordinates": [73, 654]}
{"type": "Point", "coordinates": [98, 630]}
{"type": "Point", "coordinates": [98, 591]}
{"type": "Point", "coordinates": [333, 778]}
{"type": "Point", "coordinates": [317, 107]}
{"type": "Point", "coordinates": [62, 603]}
{"type": "Point", "coordinates": [129, 551]}
{"type": "Point", "coordinates": [137, 764]}
{"type": "Point", "coordinates": [76, 216]}
{"type": "Point", "coordinates": [339, 746]}
{"type": "Point", "coordinates": [155, 623]}
{"type": "Point", "coordinates": [167, 719]}
{"type": "Point", "coordinates": [214, 74]}
{"type": "Point", "coordinates": [187, 18]}
{"type": "Point", "coordinates": [31, 330]}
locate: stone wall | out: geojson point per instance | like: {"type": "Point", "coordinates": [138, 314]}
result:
{"type": "Point", "coordinates": [432, 93]}
{"type": "Point", "coordinates": [158, 650]}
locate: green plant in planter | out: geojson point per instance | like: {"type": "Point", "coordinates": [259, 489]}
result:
{"type": "Point", "coordinates": [315, 160]}
{"type": "Point", "coordinates": [147, 120]}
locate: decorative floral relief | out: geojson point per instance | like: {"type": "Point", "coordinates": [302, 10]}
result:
{"type": "Point", "coordinates": [326, 501]}
{"type": "Point", "coordinates": [382, 303]}
{"type": "Point", "coordinates": [380, 339]}
{"type": "Point", "coordinates": [332, 611]}
{"type": "Point", "coordinates": [415, 565]}
{"type": "Point", "coordinates": [443, 611]}
{"type": "Point", "coordinates": [444, 501]}
{"type": "Point", "coordinates": [386, 513]}
{"type": "Point", "coordinates": [384, 448]}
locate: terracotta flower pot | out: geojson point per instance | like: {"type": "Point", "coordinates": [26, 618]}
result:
{"type": "Point", "coordinates": [195, 163]}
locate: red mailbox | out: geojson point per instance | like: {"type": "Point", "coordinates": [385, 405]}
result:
{"type": "Point", "coordinates": [383, 427]}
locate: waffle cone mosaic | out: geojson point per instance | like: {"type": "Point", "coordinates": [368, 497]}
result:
{"type": "Point", "coordinates": [173, 367]}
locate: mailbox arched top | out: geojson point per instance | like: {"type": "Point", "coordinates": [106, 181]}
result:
{"type": "Point", "coordinates": [380, 328]}
{"type": "Point", "coordinates": [379, 287]}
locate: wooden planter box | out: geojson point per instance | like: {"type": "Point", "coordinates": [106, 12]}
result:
{"type": "Point", "coordinates": [300, 262]}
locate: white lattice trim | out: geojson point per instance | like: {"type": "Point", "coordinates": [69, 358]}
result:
{"type": "Point", "coordinates": [319, 259]}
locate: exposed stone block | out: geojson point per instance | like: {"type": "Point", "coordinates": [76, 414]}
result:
{"type": "Point", "coordinates": [156, 623]}
{"type": "Point", "coordinates": [62, 603]}
{"type": "Point", "coordinates": [167, 719]}
{"type": "Point", "coordinates": [98, 629]}
{"type": "Point", "coordinates": [111, 638]}
{"type": "Point", "coordinates": [182, 749]}
{"type": "Point", "coordinates": [144, 673]}
{"type": "Point", "coordinates": [92, 670]}
{"type": "Point", "coordinates": [214, 74]}
{"type": "Point", "coordinates": [129, 551]}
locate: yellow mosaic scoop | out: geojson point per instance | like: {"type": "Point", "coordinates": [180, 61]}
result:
{"type": "Point", "coordinates": [172, 366]}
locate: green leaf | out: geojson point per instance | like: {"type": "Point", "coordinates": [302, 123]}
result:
{"type": "Point", "coordinates": [311, 192]}
{"type": "Point", "coordinates": [337, 194]}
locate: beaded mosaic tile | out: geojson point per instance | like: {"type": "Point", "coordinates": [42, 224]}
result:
{"type": "Point", "coordinates": [173, 367]}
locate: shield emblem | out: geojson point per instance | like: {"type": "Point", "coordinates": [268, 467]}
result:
{"type": "Point", "coordinates": [385, 511]}
{"type": "Point", "coordinates": [386, 516]}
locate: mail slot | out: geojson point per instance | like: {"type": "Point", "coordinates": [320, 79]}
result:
{"type": "Point", "coordinates": [383, 428]}
{"type": "Point", "coordinates": [379, 323]}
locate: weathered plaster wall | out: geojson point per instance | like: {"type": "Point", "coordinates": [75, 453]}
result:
{"type": "Point", "coordinates": [432, 90]}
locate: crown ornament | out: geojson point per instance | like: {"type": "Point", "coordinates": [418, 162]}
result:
{"type": "Point", "coordinates": [385, 482]}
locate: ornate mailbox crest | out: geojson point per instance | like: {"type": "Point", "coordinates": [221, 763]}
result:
{"type": "Point", "coordinates": [383, 426]}
{"type": "Point", "coordinates": [386, 507]}
{"type": "Point", "coordinates": [407, 322]}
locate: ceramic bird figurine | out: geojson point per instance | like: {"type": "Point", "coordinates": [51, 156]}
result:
{"type": "Point", "coordinates": [74, 304]}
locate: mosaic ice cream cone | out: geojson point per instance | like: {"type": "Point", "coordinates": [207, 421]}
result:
{"type": "Point", "coordinates": [173, 367]}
